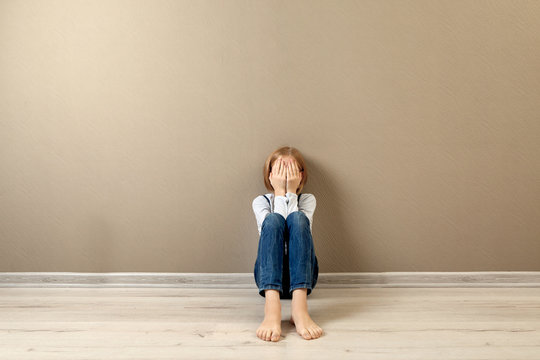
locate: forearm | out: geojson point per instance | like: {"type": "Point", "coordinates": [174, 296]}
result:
{"type": "Point", "coordinates": [280, 203]}
{"type": "Point", "coordinates": [292, 202]}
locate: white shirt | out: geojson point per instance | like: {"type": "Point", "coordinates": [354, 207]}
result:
{"type": "Point", "coordinates": [283, 205]}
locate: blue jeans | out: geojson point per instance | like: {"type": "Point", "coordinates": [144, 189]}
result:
{"type": "Point", "coordinates": [286, 244]}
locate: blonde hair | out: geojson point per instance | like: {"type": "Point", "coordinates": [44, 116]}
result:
{"type": "Point", "coordinates": [285, 150]}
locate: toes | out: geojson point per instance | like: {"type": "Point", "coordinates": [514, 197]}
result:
{"type": "Point", "coordinates": [268, 334]}
{"type": "Point", "coordinates": [305, 334]}
{"type": "Point", "coordinates": [312, 333]}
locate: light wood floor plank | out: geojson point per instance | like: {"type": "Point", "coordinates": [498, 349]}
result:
{"type": "Point", "coordinates": [183, 323]}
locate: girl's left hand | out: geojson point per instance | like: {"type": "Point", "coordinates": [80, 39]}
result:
{"type": "Point", "coordinates": [294, 176]}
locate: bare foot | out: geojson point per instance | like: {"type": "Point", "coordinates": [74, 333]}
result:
{"type": "Point", "coordinates": [306, 327]}
{"type": "Point", "coordinates": [300, 318]}
{"type": "Point", "coordinates": [270, 329]}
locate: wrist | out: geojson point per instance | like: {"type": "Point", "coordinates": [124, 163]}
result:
{"type": "Point", "coordinates": [280, 193]}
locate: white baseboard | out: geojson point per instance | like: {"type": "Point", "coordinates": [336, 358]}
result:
{"type": "Point", "coordinates": [247, 281]}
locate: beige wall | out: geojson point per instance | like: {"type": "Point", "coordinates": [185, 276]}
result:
{"type": "Point", "coordinates": [132, 133]}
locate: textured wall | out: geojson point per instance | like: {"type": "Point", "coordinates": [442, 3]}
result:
{"type": "Point", "coordinates": [132, 133]}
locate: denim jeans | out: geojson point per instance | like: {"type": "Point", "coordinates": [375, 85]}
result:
{"type": "Point", "coordinates": [286, 256]}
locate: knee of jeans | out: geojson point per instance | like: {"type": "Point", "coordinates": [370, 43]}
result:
{"type": "Point", "coordinates": [273, 219]}
{"type": "Point", "coordinates": [297, 218]}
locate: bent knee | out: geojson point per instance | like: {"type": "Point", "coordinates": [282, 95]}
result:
{"type": "Point", "coordinates": [273, 219]}
{"type": "Point", "coordinates": [297, 218]}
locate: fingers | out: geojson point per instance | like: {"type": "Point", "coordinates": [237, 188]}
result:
{"type": "Point", "coordinates": [292, 166]}
{"type": "Point", "coordinates": [283, 167]}
{"type": "Point", "coordinates": [275, 168]}
{"type": "Point", "coordinates": [288, 167]}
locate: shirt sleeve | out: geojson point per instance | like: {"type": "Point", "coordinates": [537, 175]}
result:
{"type": "Point", "coordinates": [292, 202]}
{"type": "Point", "coordinates": [261, 208]}
{"type": "Point", "coordinates": [281, 206]}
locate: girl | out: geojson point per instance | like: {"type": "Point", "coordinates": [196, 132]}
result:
{"type": "Point", "coordinates": [286, 265]}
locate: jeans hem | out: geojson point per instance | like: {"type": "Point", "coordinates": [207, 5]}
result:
{"type": "Point", "coordinates": [304, 285]}
{"type": "Point", "coordinates": [270, 287]}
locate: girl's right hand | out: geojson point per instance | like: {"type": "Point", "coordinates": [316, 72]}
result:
{"type": "Point", "coordinates": [278, 176]}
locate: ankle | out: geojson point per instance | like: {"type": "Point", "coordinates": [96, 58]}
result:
{"type": "Point", "coordinates": [299, 309]}
{"type": "Point", "coordinates": [272, 303]}
{"type": "Point", "coordinates": [299, 301]}
{"type": "Point", "coordinates": [299, 305]}
{"type": "Point", "coordinates": [272, 310]}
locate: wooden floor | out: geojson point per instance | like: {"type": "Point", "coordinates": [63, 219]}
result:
{"type": "Point", "coordinates": [180, 323]}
